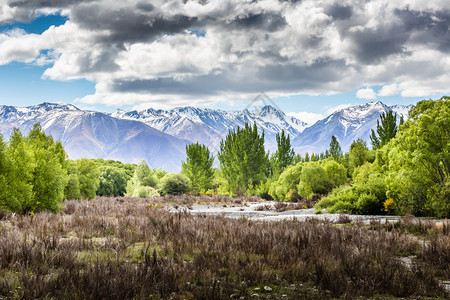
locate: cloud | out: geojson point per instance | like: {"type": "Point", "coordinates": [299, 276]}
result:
{"type": "Point", "coordinates": [175, 52]}
{"type": "Point", "coordinates": [307, 117]}
{"type": "Point", "coordinates": [389, 90]}
{"type": "Point", "coordinates": [366, 93]}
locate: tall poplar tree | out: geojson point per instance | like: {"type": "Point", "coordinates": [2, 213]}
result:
{"type": "Point", "coordinates": [385, 131]}
{"type": "Point", "coordinates": [284, 156]}
{"type": "Point", "coordinates": [198, 167]}
{"type": "Point", "coordinates": [335, 151]}
{"type": "Point", "coordinates": [243, 159]}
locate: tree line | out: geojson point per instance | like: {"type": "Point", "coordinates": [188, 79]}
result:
{"type": "Point", "coordinates": [406, 171]}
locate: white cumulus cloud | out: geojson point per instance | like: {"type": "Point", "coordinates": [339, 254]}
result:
{"type": "Point", "coordinates": [366, 93]}
{"type": "Point", "coordinates": [198, 52]}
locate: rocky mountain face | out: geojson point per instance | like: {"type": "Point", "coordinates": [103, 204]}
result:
{"type": "Point", "coordinates": [160, 136]}
{"type": "Point", "coordinates": [208, 126]}
{"type": "Point", "coordinates": [347, 125]}
{"type": "Point", "coordinates": [87, 134]}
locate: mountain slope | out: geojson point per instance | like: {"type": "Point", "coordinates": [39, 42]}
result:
{"type": "Point", "coordinates": [347, 125]}
{"type": "Point", "coordinates": [97, 135]}
{"type": "Point", "coordinates": [208, 126]}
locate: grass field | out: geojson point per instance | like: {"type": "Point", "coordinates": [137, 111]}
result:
{"type": "Point", "coordinates": [123, 248]}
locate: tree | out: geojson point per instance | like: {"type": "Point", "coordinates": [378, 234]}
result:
{"type": "Point", "coordinates": [4, 171]}
{"type": "Point", "coordinates": [89, 177]}
{"type": "Point", "coordinates": [386, 130]}
{"type": "Point", "coordinates": [50, 170]}
{"type": "Point", "coordinates": [175, 184]}
{"type": "Point", "coordinates": [113, 182]}
{"type": "Point", "coordinates": [284, 156]}
{"type": "Point", "coordinates": [19, 191]}
{"type": "Point", "coordinates": [358, 154]}
{"type": "Point", "coordinates": [419, 160]}
{"type": "Point", "coordinates": [198, 167]}
{"type": "Point", "coordinates": [243, 159]}
{"type": "Point", "coordinates": [335, 151]}
{"type": "Point", "coordinates": [285, 188]}
{"type": "Point", "coordinates": [33, 172]}
{"type": "Point", "coordinates": [145, 175]}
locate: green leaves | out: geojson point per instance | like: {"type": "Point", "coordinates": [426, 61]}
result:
{"type": "Point", "coordinates": [386, 130]}
{"type": "Point", "coordinates": [243, 159]}
{"type": "Point", "coordinates": [335, 151]}
{"type": "Point", "coordinates": [284, 156]}
{"type": "Point", "coordinates": [419, 160]}
{"type": "Point", "coordinates": [33, 172]}
{"type": "Point", "coordinates": [198, 167]}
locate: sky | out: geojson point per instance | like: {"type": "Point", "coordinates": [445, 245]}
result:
{"type": "Point", "coordinates": [310, 57]}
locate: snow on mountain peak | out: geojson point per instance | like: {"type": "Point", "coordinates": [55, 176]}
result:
{"type": "Point", "coordinates": [48, 106]}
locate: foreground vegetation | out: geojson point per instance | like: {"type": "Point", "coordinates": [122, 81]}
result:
{"type": "Point", "coordinates": [123, 248]}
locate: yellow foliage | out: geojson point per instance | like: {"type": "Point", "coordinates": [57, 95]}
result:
{"type": "Point", "coordinates": [388, 204]}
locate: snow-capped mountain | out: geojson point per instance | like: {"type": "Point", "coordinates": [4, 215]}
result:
{"type": "Point", "coordinates": [160, 136]}
{"type": "Point", "coordinates": [208, 126]}
{"type": "Point", "coordinates": [96, 135]}
{"type": "Point", "coordinates": [347, 125]}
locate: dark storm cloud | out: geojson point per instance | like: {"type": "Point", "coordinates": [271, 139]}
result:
{"type": "Point", "coordinates": [429, 27]}
{"type": "Point", "coordinates": [272, 77]}
{"type": "Point", "coordinates": [46, 3]}
{"type": "Point", "coordinates": [145, 6]}
{"type": "Point", "coordinates": [371, 46]}
{"type": "Point", "coordinates": [339, 12]}
{"type": "Point", "coordinates": [267, 22]}
{"type": "Point", "coordinates": [127, 24]}
{"type": "Point", "coordinates": [241, 46]}
{"type": "Point", "coordinates": [304, 77]}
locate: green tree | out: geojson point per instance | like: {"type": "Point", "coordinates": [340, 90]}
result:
{"type": "Point", "coordinates": [113, 182]}
{"type": "Point", "coordinates": [175, 184]}
{"type": "Point", "coordinates": [243, 159]}
{"type": "Point", "coordinates": [284, 156]}
{"type": "Point", "coordinates": [335, 151]}
{"type": "Point", "coordinates": [89, 177]}
{"type": "Point", "coordinates": [49, 172]}
{"type": "Point", "coordinates": [72, 189]}
{"type": "Point", "coordinates": [419, 160]}
{"type": "Point", "coordinates": [385, 131]}
{"type": "Point", "coordinates": [285, 188]}
{"type": "Point", "coordinates": [5, 169]}
{"type": "Point", "coordinates": [145, 175]}
{"type": "Point", "coordinates": [19, 192]}
{"type": "Point", "coordinates": [198, 167]}
{"type": "Point", "coordinates": [358, 154]}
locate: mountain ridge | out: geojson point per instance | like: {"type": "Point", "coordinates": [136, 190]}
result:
{"type": "Point", "coordinates": [160, 136]}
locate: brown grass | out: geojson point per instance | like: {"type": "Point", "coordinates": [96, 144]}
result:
{"type": "Point", "coordinates": [124, 248]}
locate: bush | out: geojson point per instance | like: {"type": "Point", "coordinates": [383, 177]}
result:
{"type": "Point", "coordinates": [286, 183]}
{"type": "Point", "coordinates": [368, 204]}
{"type": "Point", "coordinates": [313, 180]}
{"type": "Point", "coordinates": [175, 184]}
{"type": "Point", "coordinates": [366, 196]}
{"type": "Point", "coordinates": [146, 192]}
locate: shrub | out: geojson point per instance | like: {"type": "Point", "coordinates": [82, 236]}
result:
{"type": "Point", "coordinates": [313, 180]}
{"type": "Point", "coordinates": [286, 183]}
{"type": "Point", "coordinates": [175, 184]}
{"type": "Point", "coordinates": [146, 192]}
{"type": "Point", "coordinates": [368, 204]}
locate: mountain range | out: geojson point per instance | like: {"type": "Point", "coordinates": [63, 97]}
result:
{"type": "Point", "coordinates": [160, 136]}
